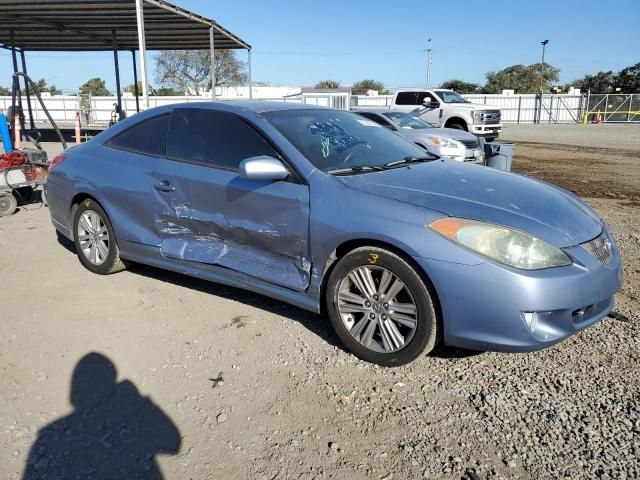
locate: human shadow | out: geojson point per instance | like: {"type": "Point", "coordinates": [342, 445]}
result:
{"type": "Point", "coordinates": [113, 431]}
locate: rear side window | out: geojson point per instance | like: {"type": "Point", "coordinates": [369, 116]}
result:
{"type": "Point", "coordinates": [215, 138]}
{"type": "Point", "coordinates": [406, 98]}
{"type": "Point", "coordinates": [148, 136]}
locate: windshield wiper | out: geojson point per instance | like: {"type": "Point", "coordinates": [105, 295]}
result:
{"type": "Point", "coordinates": [411, 159]}
{"type": "Point", "coordinates": [356, 169]}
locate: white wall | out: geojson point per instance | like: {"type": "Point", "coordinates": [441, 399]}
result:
{"type": "Point", "coordinates": [561, 108]}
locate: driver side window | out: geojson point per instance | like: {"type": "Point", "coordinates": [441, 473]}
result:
{"type": "Point", "coordinates": [424, 95]}
{"type": "Point", "coordinates": [214, 138]}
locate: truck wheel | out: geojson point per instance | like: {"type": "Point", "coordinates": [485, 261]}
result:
{"type": "Point", "coordinates": [457, 126]}
{"type": "Point", "coordinates": [8, 204]}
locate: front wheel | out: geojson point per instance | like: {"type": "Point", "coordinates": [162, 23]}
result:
{"type": "Point", "coordinates": [380, 307]}
{"type": "Point", "coordinates": [457, 126]}
{"type": "Point", "coordinates": [94, 239]}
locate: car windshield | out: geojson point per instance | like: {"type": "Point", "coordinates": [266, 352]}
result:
{"type": "Point", "coordinates": [452, 97]}
{"type": "Point", "coordinates": [406, 120]}
{"type": "Point", "coordinates": [335, 140]}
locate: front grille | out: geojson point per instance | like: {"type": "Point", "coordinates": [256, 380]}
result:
{"type": "Point", "coordinates": [601, 248]}
{"type": "Point", "coordinates": [489, 117]}
{"type": "Point", "coordinates": [470, 143]}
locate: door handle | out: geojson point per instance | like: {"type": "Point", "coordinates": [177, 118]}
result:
{"type": "Point", "coordinates": [164, 186]}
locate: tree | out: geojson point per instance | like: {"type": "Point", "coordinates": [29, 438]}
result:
{"type": "Point", "coordinates": [629, 79]}
{"type": "Point", "coordinates": [521, 78]}
{"type": "Point", "coordinates": [131, 89]}
{"type": "Point", "coordinates": [361, 87]}
{"type": "Point", "coordinates": [461, 86]}
{"type": "Point", "coordinates": [167, 92]}
{"type": "Point", "coordinates": [43, 87]}
{"type": "Point", "coordinates": [601, 82]}
{"type": "Point", "coordinates": [95, 86]}
{"type": "Point", "coordinates": [4, 92]}
{"type": "Point", "coordinates": [189, 70]}
{"type": "Point", "coordinates": [327, 84]}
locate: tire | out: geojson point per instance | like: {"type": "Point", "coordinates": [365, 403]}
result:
{"type": "Point", "coordinates": [95, 241]}
{"type": "Point", "coordinates": [457, 126]}
{"type": "Point", "coordinates": [348, 307]}
{"type": "Point", "coordinates": [8, 204]}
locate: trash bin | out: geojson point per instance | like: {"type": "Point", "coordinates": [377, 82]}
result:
{"type": "Point", "coordinates": [498, 155]}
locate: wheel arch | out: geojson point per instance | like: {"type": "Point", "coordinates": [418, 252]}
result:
{"type": "Point", "coordinates": [457, 120]}
{"type": "Point", "coordinates": [77, 199]}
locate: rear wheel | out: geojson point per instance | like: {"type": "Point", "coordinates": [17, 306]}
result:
{"type": "Point", "coordinates": [94, 239]}
{"type": "Point", "coordinates": [380, 307]}
{"type": "Point", "coordinates": [8, 204]}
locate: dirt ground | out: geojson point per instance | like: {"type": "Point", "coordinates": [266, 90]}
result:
{"type": "Point", "coordinates": [151, 374]}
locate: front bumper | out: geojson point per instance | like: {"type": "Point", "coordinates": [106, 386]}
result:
{"type": "Point", "coordinates": [491, 130]}
{"type": "Point", "coordinates": [468, 155]}
{"type": "Point", "coordinates": [483, 305]}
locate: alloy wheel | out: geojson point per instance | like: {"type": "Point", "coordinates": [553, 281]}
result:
{"type": "Point", "coordinates": [93, 237]}
{"type": "Point", "coordinates": [377, 309]}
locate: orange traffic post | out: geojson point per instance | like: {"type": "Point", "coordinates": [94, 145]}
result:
{"type": "Point", "coordinates": [77, 127]}
{"type": "Point", "coordinates": [17, 133]}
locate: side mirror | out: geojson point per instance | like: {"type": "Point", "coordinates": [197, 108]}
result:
{"type": "Point", "coordinates": [427, 102]}
{"type": "Point", "coordinates": [263, 168]}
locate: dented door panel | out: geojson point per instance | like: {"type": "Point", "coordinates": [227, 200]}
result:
{"type": "Point", "coordinates": [259, 228]}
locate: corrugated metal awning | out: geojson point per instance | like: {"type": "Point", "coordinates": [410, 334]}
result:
{"type": "Point", "coordinates": [88, 25]}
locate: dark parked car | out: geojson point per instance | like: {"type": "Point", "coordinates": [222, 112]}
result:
{"type": "Point", "coordinates": [335, 214]}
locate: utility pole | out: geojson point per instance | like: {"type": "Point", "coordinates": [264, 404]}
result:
{"type": "Point", "coordinates": [429, 63]}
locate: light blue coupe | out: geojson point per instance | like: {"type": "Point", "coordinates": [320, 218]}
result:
{"type": "Point", "coordinates": [331, 212]}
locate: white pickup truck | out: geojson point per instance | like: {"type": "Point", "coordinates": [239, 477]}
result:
{"type": "Point", "coordinates": [446, 108]}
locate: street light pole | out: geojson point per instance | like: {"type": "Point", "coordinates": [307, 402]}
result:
{"type": "Point", "coordinates": [544, 44]}
{"type": "Point", "coordinates": [429, 63]}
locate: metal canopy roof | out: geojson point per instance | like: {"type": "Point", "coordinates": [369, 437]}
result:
{"type": "Point", "coordinates": [88, 25]}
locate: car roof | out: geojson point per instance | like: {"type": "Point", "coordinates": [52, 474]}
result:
{"type": "Point", "coordinates": [258, 106]}
{"type": "Point", "coordinates": [379, 111]}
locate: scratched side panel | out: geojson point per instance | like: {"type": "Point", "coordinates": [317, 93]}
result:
{"type": "Point", "coordinates": [254, 227]}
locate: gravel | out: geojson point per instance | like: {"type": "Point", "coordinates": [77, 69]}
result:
{"type": "Point", "coordinates": [615, 136]}
{"type": "Point", "coordinates": [293, 403]}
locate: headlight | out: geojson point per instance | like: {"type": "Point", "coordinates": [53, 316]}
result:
{"type": "Point", "coordinates": [502, 244]}
{"type": "Point", "coordinates": [444, 142]}
{"type": "Point", "coordinates": [477, 116]}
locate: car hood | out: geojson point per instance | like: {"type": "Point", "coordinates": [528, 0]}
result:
{"type": "Point", "coordinates": [416, 134]}
{"type": "Point", "coordinates": [489, 195]}
{"type": "Point", "coordinates": [474, 106]}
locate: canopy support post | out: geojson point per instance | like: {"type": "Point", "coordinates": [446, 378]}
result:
{"type": "Point", "coordinates": [26, 91]}
{"type": "Point", "coordinates": [135, 80]}
{"type": "Point", "coordinates": [117, 67]}
{"type": "Point", "coordinates": [250, 80]}
{"type": "Point", "coordinates": [16, 95]}
{"type": "Point", "coordinates": [212, 48]}
{"type": "Point", "coordinates": [143, 53]}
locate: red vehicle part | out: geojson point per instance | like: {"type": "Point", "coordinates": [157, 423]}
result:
{"type": "Point", "coordinates": [12, 159]}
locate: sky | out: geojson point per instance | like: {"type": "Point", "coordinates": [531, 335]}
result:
{"type": "Point", "coordinates": [300, 42]}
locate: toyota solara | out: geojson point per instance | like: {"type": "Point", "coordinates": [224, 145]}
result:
{"type": "Point", "coordinates": [331, 212]}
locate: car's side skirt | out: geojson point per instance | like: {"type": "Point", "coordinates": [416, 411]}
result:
{"type": "Point", "coordinates": [149, 255]}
